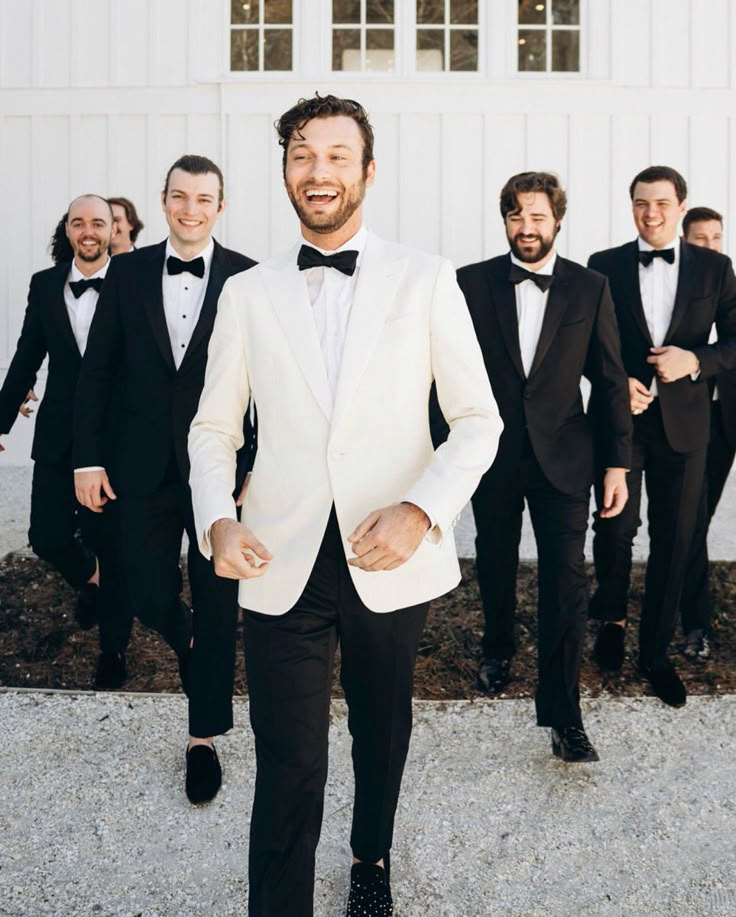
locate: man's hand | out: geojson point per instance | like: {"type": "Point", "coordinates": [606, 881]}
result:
{"type": "Point", "coordinates": [639, 395]}
{"type": "Point", "coordinates": [241, 495]}
{"type": "Point", "coordinates": [233, 547]}
{"type": "Point", "coordinates": [672, 363]}
{"type": "Point", "coordinates": [24, 409]}
{"type": "Point", "coordinates": [93, 489]}
{"type": "Point", "coordinates": [615, 493]}
{"type": "Point", "coordinates": [388, 537]}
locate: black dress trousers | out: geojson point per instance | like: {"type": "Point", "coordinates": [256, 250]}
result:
{"type": "Point", "coordinates": [560, 522]}
{"type": "Point", "coordinates": [289, 661]}
{"type": "Point", "coordinates": [674, 482]}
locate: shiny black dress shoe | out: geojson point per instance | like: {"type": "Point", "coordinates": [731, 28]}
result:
{"type": "Point", "coordinates": [85, 612]}
{"type": "Point", "coordinates": [666, 684]}
{"type": "Point", "coordinates": [572, 745]}
{"type": "Point", "coordinates": [370, 892]}
{"type": "Point", "coordinates": [111, 671]}
{"type": "Point", "coordinates": [494, 674]}
{"type": "Point", "coordinates": [204, 774]}
{"type": "Point", "coordinates": [608, 650]}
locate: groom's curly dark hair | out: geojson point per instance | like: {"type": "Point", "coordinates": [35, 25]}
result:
{"type": "Point", "coordinates": [290, 124]}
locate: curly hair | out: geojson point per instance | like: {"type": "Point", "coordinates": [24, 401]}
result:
{"type": "Point", "coordinates": [529, 183]}
{"type": "Point", "coordinates": [60, 248]}
{"type": "Point", "coordinates": [290, 124]}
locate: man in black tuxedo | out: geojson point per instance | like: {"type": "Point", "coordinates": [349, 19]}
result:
{"type": "Point", "coordinates": [667, 294]}
{"type": "Point", "coordinates": [61, 303]}
{"type": "Point", "coordinates": [704, 227]}
{"type": "Point", "coordinates": [543, 322]}
{"type": "Point", "coordinates": [148, 347]}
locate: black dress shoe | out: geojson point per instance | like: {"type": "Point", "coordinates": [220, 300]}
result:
{"type": "Point", "coordinates": [85, 613]}
{"type": "Point", "coordinates": [608, 650]}
{"type": "Point", "coordinates": [666, 684]}
{"type": "Point", "coordinates": [204, 774]}
{"type": "Point", "coordinates": [111, 671]}
{"type": "Point", "coordinates": [572, 745]}
{"type": "Point", "coordinates": [494, 674]}
{"type": "Point", "coordinates": [370, 892]}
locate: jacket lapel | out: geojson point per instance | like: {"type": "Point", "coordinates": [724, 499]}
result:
{"type": "Point", "coordinates": [208, 312]}
{"type": "Point", "coordinates": [685, 289]}
{"type": "Point", "coordinates": [153, 301]}
{"type": "Point", "coordinates": [631, 289]}
{"type": "Point", "coordinates": [60, 311]}
{"type": "Point", "coordinates": [380, 270]}
{"type": "Point", "coordinates": [557, 303]}
{"type": "Point", "coordinates": [503, 294]}
{"type": "Point", "coordinates": [287, 290]}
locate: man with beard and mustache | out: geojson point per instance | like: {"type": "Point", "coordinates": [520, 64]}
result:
{"type": "Point", "coordinates": [543, 323]}
{"type": "Point", "coordinates": [338, 340]}
{"type": "Point", "coordinates": [61, 303]}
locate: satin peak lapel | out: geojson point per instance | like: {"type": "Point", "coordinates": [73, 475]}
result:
{"type": "Point", "coordinates": [632, 290]}
{"type": "Point", "coordinates": [685, 289]}
{"type": "Point", "coordinates": [503, 295]}
{"type": "Point", "coordinates": [287, 290]}
{"type": "Point", "coordinates": [59, 307]}
{"type": "Point", "coordinates": [208, 311]}
{"type": "Point", "coordinates": [557, 303]}
{"type": "Point", "coordinates": [154, 302]}
{"type": "Point", "coordinates": [380, 270]}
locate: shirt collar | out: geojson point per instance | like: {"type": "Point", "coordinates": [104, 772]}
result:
{"type": "Point", "coordinates": [547, 268]}
{"type": "Point", "coordinates": [206, 254]}
{"type": "Point", "coordinates": [75, 274]}
{"type": "Point", "coordinates": [356, 243]}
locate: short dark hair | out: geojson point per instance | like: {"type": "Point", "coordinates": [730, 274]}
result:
{"type": "Point", "coordinates": [196, 165]}
{"type": "Point", "coordinates": [131, 214]}
{"type": "Point", "coordinates": [329, 106]}
{"type": "Point", "coordinates": [528, 182]}
{"type": "Point", "coordinates": [60, 248]}
{"type": "Point", "coordinates": [699, 215]}
{"type": "Point", "coordinates": [661, 173]}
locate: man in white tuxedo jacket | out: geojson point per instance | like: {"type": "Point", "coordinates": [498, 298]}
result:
{"type": "Point", "coordinates": [346, 530]}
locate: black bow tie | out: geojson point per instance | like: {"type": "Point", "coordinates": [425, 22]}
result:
{"type": "Point", "coordinates": [80, 286]}
{"type": "Point", "coordinates": [519, 275]}
{"type": "Point", "coordinates": [177, 266]}
{"type": "Point", "coordinates": [646, 258]}
{"type": "Point", "coordinates": [342, 261]}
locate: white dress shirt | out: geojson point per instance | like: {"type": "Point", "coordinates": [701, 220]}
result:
{"type": "Point", "coordinates": [658, 288]}
{"type": "Point", "coordinates": [81, 311]}
{"type": "Point", "coordinates": [531, 303]}
{"type": "Point", "coordinates": [183, 297]}
{"type": "Point", "coordinates": [331, 293]}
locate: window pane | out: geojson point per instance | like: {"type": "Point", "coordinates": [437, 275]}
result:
{"type": "Point", "coordinates": [244, 49]}
{"type": "Point", "coordinates": [532, 12]}
{"type": "Point", "coordinates": [430, 11]}
{"type": "Point", "coordinates": [277, 11]}
{"type": "Point", "coordinates": [379, 12]}
{"type": "Point", "coordinates": [464, 49]}
{"type": "Point", "coordinates": [346, 49]}
{"type": "Point", "coordinates": [277, 49]}
{"type": "Point", "coordinates": [463, 12]}
{"type": "Point", "coordinates": [244, 12]}
{"type": "Point", "coordinates": [566, 50]}
{"type": "Point", "coordinates": [532, 49]}
{"type": "Point", "coordinates": [345, 11]}
{"type": "Point", "coordinates": [431, 49]}
{"type": "Point", "coordinates": [566, 12]}
{"type": "Point", "coordinates": [379, 49]}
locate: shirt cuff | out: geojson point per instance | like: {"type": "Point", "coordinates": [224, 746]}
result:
{"type": "Point", "coordinates": [433, 534]}
{"type": "Point", "coordinates": [90, 468]}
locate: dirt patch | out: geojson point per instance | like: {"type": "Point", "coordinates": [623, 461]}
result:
{"type": "Point", "coordinates": [42, 647]}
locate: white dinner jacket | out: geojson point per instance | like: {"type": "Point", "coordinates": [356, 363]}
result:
{"type": "Point", "coordinates": [409, 324]}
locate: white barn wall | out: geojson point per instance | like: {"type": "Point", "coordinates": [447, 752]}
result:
{"type": "Point", "coordinates": [107, 105]}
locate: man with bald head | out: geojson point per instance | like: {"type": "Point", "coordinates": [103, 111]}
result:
{"type": "Point", "coordinates": [61, 303]}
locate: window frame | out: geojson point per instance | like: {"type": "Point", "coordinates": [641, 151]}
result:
{"type": "Point", "coordinates": [270, 75]}
{"type": "Point", "coordinates": [447, 29]}
{"type": "Point", "coordinates": [362, 28]}
{"type": "Point", "coordinates": [548, 28]}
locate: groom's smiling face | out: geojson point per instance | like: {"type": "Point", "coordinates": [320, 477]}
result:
{"type": "Point", "coordinates": [324, 176]}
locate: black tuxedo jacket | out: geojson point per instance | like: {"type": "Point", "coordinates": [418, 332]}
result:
{"type": "Point", "coordinates": [46, 330]}
{"type": "Point", "coordinates": [706, 293]}
{"type": "Point", "coordinates": [129, 350]}
{"type": "Point", "coordinates": [578, 338]}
